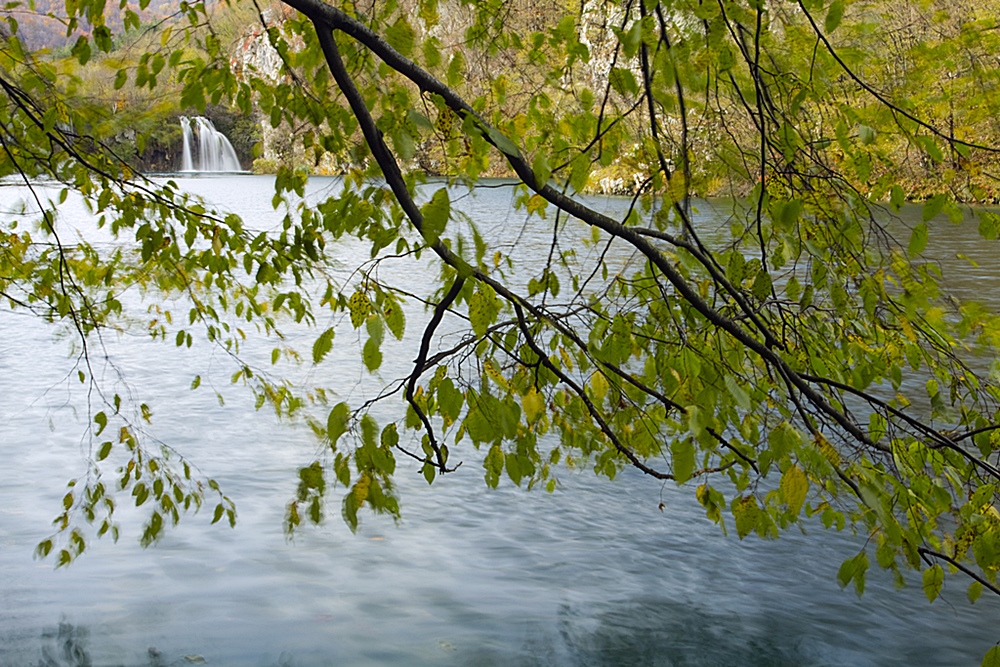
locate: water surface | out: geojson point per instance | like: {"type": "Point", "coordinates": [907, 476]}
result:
{"type": "Point", "coordinates": [594, 574]}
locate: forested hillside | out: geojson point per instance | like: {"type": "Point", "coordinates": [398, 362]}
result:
{"type": "Point", "coordinates": [939, 58]}
{"type": "Point", "coordinates": [44, 24]}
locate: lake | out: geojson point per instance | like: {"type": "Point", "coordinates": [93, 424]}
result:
{"type": "Point", "coordinates": [593, 574]}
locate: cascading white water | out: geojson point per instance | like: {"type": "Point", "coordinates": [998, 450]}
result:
{"type": "Point", "coordinates": [186, 163]}
{"type": "Point", "coordinates": [215, 153]}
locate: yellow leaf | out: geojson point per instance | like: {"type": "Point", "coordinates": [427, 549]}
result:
{"type": "Point", "coordinates": [566, 359]}
{"type": "Point", "coordinates": [598, 385]}
{"type": "Point", "coordinates": [904, 324]}
{"type": "Point", "coordinates": [360, 489]}
{"type": "Point", "coordinates": [360, 307]}
{"type": "Point", "coordinates": [746, 512]}
{"type": "Point", "coordinates": [534, 405]}
{"type": "Point", "coordinates": [794, 486]}
{"type": "Point", "coordinates": [537, 205]}
{"type": "Point", "coordinates": [491, 369]}
{"type": "Point", "coordinates": [828, 451]}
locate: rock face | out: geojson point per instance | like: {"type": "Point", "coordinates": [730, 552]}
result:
{"type": "Point", "coordinates": [255, 56]}
{"type": "Point", "coordinates": [596, 29]}
{"type": "Point", "coordinates": [619, 185]}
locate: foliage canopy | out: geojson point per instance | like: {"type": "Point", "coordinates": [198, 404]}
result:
{"type": "Point", "coordinates": [773, 371]}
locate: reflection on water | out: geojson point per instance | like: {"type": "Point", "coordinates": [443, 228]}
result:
{"type": "Point", "coordinates": [651, 632]}
{"type": "Point", "coordinates": [594, 574]}
{"type": "Point", "coordinates": [66, 646]}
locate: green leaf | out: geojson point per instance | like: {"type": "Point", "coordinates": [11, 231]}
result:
{"type": "Point", "coordinates": [540, 167]}
{"type": "Point", "coordinates": [854, 569]}
{"type": "Point", "coordinates": [896, 197]}
{"type": "Point", "coordinates": [834, 16]}
{"type": "Point", "coordinates": [104, 451]}
{"type": "Point", "coordinates": [762, 285]}
{"type": "Point", "coordinates": [514, 470]}
{"type": "Point", "coordinates": [989, 225]}
{"type": "Point", "coordinates": [322, 346]}
{"type": "Point", "coordinates": [81, 49]}
{"type": "Point", "coordinates": [992, 658]}
{"type": "Point", "coordinates": [494, 464]}
{"type": "Point", "coordinates": [102, 38]}
{"type": "Point", "coordinates": [790, 214]}
{"type": "Point", "coordinates": [101, 420]}
{"type": "Point", "coordinates": [450, 400]}
{"type": "Point", "coordinates": [395, 319]}
{"type": "Point", "coordinates": [401, 36]}
{"type": "Point", "coordinates": [918, 240]}
{"type": "Point", "coordinates": [975, 590]}
{"type": "Point", "coordinates": [372, 355]}
{"type": "Point", "coordinates": [932, 149]}
{"type": "Point", "coordinates": [432, 54]}
{"type": "Point", "coordinates": [933, 581]}
{"type": "Point", "coordinates": [738, 393]}
{"type": "Point", "coordinates": [336, 422]}
{"type": "Point", "coordinates": [623, 81]}
{"type": "Point", "coordinates": [376, 331]}
{"type": "Point", "coordinates": [746, 511]}
{"type": "Point", "coordinates": [369, 431]}
{"type": "Point", "coordinates": [141, 493]}
{"type": "Point", "coordinates": [436, 213]}
{"type": "Point", "coordinates": [579, 175]}
{"type": "Point", "coordinates": [682, 459]}
{"type": "Point", "coordinates": [406, 148]}
{"type": "Point", "coordinates": [503, 144]}
{"type": "Point", "coordinates": [483, 309]}
{"type": "Point", "coordinates": [933, 206]}
{"type": "Point", "coordinates": [726, 59]}
{"type": "Point", "coordinates": [877, 427]}
{"type": "Point", "coordinates": [456, 70]}
{"type": "Point", "coordinates": [430, 472]}
{"type": "Point", "coordinates": [44, 548]}
{"type": "Point", "coordinates": [390, 436]}
{"type": "Point", "coordinates": [598, 384]}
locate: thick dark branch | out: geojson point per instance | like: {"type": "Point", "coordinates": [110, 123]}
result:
{"type": "Point", "coordinates": [770, 339]}
{"type": "Point", "coordinates": [420, 363]}
{"type": "Point", "coordinates": [394, 178]}
{"type": "Point", "coordinates": [324, 15]}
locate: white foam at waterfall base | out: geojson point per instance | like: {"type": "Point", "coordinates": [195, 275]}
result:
{"type": "Point", "coordinates": [214, 152]}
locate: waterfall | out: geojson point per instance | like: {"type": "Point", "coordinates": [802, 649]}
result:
{"type": "Point", "coordinates": [186, 164]}
{"type": "Point", "coordinates": [214, 153]}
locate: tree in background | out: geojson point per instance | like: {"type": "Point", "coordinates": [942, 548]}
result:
{"type": "Point", "coordinates": [769, 371]}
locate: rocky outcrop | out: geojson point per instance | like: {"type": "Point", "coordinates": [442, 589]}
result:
{"type": "Point", "coordinates": [255, 57]}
